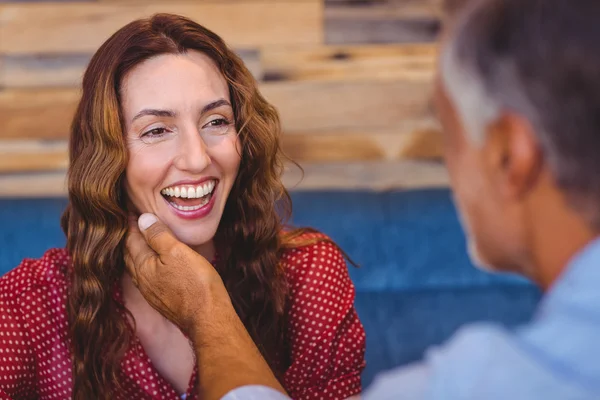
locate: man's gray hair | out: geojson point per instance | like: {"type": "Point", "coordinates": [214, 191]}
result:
{"type": "Point", "coordinates": [540, 60]}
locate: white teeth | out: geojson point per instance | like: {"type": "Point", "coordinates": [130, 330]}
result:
{"type": "Point", "coordinates": [187, 192]}
{"type": "Point", "coordinates": [191, 208]}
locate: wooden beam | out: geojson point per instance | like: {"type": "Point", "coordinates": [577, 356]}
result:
{"type": "Point", "coordinates": [365, 106]}
{"type": "Point", "coordinates": [421, 142]}
{"type": "Point", "coordinates": [37, 114]}
{"type": "Point", "coordinates": [413, 62]}
{"type": "Point", "coordinates": [66, 70]}
{"type": "Point", "coordinates": [80, 27]}
{"type": "Point", "coordinates": [33, 185]}
{"type": "Point", "coordinates": [25, 156]}
{"type": "Point", "coordinates": [304, 107]}
{"type": "Point", "coordinates": [375, 176]}
{"type": "Point", "coordinates": [42, 70]}
{"type": "Point", "coordinates": [350, 63]}
{"type": "Point", "coordinates": [376, 9]}
{"type": "Point", "coordinates": [182, 1]}
{"type": "Point", "coordinates": [381, 21]}
{"type": "Point", "coordinates": [33, 162]}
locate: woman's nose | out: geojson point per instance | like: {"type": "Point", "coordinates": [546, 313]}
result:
{"type": "Point", "coordinates": [193, 153]}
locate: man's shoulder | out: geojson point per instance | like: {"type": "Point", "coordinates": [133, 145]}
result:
{"type": "Point", "coordinates": [488, 361]}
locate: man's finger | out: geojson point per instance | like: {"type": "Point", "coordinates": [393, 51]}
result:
{"type": "Point", "coordinates": [158, 236]}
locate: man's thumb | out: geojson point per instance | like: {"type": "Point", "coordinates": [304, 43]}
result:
{"type": "Point", "coordinates": [145, 221]}
{"type": "Point", "coordinates": [158, 236]}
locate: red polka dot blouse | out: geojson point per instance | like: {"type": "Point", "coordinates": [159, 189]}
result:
{"type": "Point", "coordinates": [324, 335]}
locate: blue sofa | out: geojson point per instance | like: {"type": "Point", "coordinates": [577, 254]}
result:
{"type": "Point", "coordinates": [415, 286]}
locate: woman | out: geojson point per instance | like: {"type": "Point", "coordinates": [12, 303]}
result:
{"type": "Point", "coordinates": [171, 122]}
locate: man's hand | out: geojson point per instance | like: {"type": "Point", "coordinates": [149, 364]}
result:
{"type": "Point", "coordinates": [185, 288]}
{"type": "Point", "coordinates": [172, 277]}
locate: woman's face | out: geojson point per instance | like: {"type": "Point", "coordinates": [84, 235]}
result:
{"type": "Point", "coordinates": [184, 151]}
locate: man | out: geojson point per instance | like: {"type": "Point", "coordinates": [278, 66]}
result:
{"type": "Point", "coordinates": [518, 96]}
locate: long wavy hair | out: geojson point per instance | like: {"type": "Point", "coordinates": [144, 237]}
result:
{"type": "Point", "coordinates": [249, 239]}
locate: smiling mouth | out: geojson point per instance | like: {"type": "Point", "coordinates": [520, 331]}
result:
{"type": "Point", "coordinates": [189, 197]}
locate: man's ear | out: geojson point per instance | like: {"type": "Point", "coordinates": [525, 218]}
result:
{"type": "Point", "coordinates": [513, 155]}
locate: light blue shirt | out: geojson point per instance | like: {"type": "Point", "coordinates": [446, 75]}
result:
{"type": "Point", "coordinates": [555, 357]}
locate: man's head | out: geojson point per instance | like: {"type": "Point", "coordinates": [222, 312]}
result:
{"type": "Point", "coordinates": [518, 95]}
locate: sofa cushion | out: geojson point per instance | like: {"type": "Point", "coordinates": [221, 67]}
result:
{"type": "Point", "coordinates": [401, 325]}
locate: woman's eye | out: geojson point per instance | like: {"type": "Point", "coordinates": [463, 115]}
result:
{"type": "Point", "coordinates": [218, 122]}
{"type": "Point", "coordinates": [154, 132]}
{"type": "Point", "coordinates": [218, 126]}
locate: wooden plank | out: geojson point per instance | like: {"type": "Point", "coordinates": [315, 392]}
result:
{"type": "Point", "coordinates": [317, 63]}
{"type": "Point", "coordinates": [355, 63]}
{"type": "Point", "coordinates": [377, 176]}
{"type": "Point", "coordinates": [423, 143]}
{"type": "Point", "coordinates": [304, 107]}
{"type": "Point", "coordinates": [19, 162]}
{"type": "Point", "coordinates": [42, 70]}
{"type": "Point", "coordinates": [251, 59]}
{"type": "Point", "coordinates": [181, 1]}
{"type": "Point", "coordinates": [318, 106]}
{"type": "Point", "coordinates": [66, 70]}
{"type": "Point", "coordinates": [82, 27]}
{"type": "Point", "coordinates": [33, 185]}
{"type": "Point", "coordinates": [37, 114]}
{"type": "Point", "coordinates": [337, 176]}
{"type": "Point", "coordinates": [381, 21]}
{"type": "Point", "coordinates": [25, 156]}
{"type": "Point", "coordinates": [336, 147]}
{"type": "Point", "coordinates": [376, 9]}
{"type": "Point", "coordinates": [44, 1]}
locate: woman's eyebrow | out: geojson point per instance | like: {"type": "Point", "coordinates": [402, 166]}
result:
{"type": "Point", "coordinates": [154, 112]}
{"type": "Point", "coordinates": [215, 104]}
{"type": "Point", "coordinates": [172, 114]}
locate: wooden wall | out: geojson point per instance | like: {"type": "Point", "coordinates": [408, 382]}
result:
{"type": "Point", "coordinates": [352, 80]}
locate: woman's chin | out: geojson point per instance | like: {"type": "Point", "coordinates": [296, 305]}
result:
{"type": "Point", "coordinates": [193, 240]}
{"type": "Point", "coordinates": [196, 240]}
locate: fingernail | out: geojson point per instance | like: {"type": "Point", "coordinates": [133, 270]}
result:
{"type": "Point", "coordinates": [146, 221]}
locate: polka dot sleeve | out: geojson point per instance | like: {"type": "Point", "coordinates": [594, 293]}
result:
{"type": "Point", "coordinates": [325, 336]}
{"type": "Point", "coordinates": [17, 367]}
